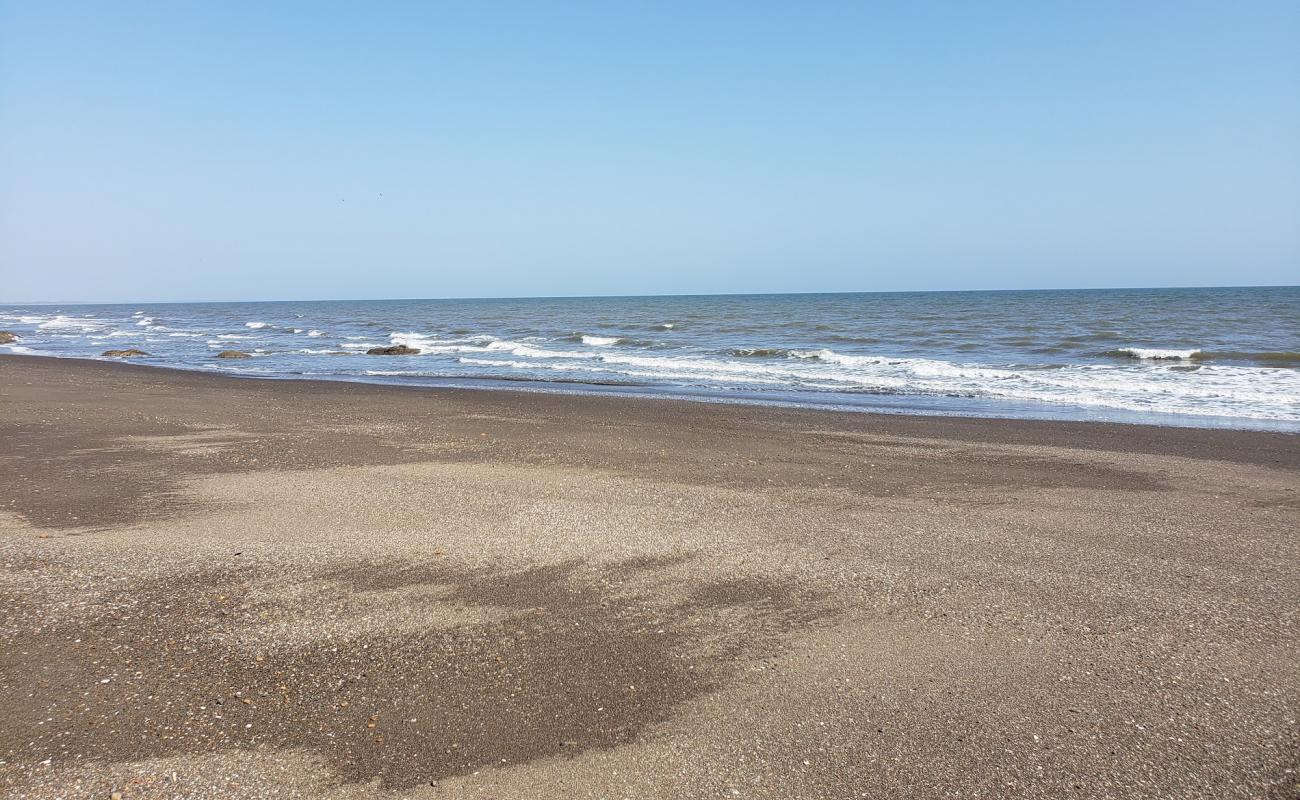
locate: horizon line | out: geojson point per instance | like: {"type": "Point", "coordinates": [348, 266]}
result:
{"type": "Point", "coordinates": [627, 296]}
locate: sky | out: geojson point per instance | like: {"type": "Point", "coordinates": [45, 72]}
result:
{"type": "Point", "coordinates": [256, 151]}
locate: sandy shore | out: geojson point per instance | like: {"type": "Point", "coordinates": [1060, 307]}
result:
{"type": "Point", "coordinates": [230, 588]}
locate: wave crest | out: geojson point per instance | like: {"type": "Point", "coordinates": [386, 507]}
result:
{"type": "Point", "coordinates": [1154, 353]}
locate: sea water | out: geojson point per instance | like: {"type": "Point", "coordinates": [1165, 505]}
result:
{"type": "Point", "coordinates": [1204, 357]}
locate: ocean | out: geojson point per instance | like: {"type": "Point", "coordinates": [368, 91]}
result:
{"type": "Point", "coordinates": [1196, 357]}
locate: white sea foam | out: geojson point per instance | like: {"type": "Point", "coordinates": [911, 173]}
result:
{"type": "Point", "coordinates": [498, 362]}
{"type": "Point", "coordinates": [431, 345]}
{"type": "Point", "coordinates": [1157, 354]}
{"type": "Point", "coordinates": [1254, 392]}
{"type": "Point", "coordinates": [689, 370]}
{"type": "Point", "coordinates": [63, 322]}
{"type": "Point", "coordinates": [1160, 385]}
{"type": "Point", "coordinates": [233, 368]}
{"type": "Point", "coordinates": [419, 341]}
{"type": "Point", "coordinates": [832, 357]}
{"type": "Point", "coordinates": [530, 351]}
{"type": "Point", "coordinates": [1160, 380]}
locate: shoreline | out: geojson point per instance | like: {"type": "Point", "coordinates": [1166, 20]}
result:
{"type": "Point", "coordinates": [615, 392]}
{"type": "Point", "coordinates": [218, 587]}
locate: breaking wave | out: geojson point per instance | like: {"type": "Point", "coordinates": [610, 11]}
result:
{"type": "Point", "coordinates": [592, 340]}
{"type": "Point", "coordinates": [1275, 358]}
{"type": "Point", "coordinates": [761, 352]}
{"type": "Point", "coordinates": [62, 322]}
{"type": "Point", "coordinates": [1153, 353]}
{"type": "Point", "coordinates": [1247, 364]}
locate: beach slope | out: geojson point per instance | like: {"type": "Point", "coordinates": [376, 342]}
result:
{"type": "Point", "coordinates": [216, 587]}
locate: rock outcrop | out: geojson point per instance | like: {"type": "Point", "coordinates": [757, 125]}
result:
{"type": "Point", "coordinates": [394, 350]}
{"type": "Point", "coordinates": [233, 354]}
{"type": "Point", "coordinates": [130, 352]}
{"type": "Point", "coordinates": [8, 337]}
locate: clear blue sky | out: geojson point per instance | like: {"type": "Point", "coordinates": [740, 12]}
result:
{"type": "Point", "coordinates": [224, 150]}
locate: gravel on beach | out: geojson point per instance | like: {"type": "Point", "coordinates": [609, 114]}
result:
{"type": "Point", "coordinates": [219, 587]}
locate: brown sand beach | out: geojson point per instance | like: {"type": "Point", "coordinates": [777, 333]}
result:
{"type": "Point", "coordinates": [215, 587]}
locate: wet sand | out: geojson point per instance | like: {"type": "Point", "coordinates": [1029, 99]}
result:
{"type": "Point", "coordinates": [216, 587]}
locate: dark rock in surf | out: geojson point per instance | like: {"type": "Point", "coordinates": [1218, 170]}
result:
{"type": "Point", "coordinates": [130, 352]}
{"type": "Point", "coordinates": [233, 354]}
{"type": "Point", "coordinates": [395, 350]}
{"type": "Point", "coordinates": [8, 337]}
